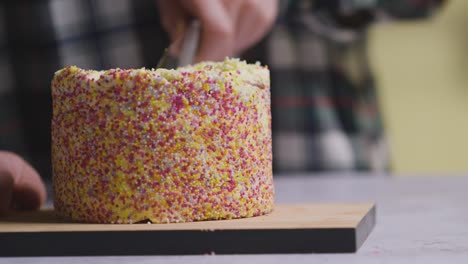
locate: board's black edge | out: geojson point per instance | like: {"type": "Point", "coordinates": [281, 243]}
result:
{"type": "Point", "coordinates": [185, 242]}
{"type": "Point", "coordinates": [178, 242]}
{"type": "Point", "coordinates": [365, 227]}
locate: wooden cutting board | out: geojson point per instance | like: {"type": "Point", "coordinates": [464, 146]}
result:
{"type": "Point", "coordinates": [291, 228]}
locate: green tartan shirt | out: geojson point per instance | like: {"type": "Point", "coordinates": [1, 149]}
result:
{"type": "Point", "coordinates": [324, 106]}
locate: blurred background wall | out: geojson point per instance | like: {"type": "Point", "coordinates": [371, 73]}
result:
{"type": "Point", "coordinates": [422, 78]}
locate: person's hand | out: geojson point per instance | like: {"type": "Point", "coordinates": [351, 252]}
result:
{"type": "Point", "coordinates": [228, 26]}
{"type": "Point", "coordinates": [21, 188]}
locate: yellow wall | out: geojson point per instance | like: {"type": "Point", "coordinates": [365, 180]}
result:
{"type": "Point", "coordinates": [422, 76]}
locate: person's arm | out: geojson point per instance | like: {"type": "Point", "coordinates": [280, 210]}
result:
{"type": "Point", "coordinates": [228, 27]}
{"type": "Point", "coordinates": [21, 187]}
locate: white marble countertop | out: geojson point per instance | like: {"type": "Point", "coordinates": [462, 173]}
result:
{"type": "Point", "coordinates": [419, 220]}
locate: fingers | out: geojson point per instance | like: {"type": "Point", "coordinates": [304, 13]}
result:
{"type": "Point", "coordinates": [228, 27]}
{"type": "Point", "coordinates": [20, 185]}
{"type": "Point", "coordinates": [171, 14]}
{"type": "Point", "coordinates": [173, 20]}
{"type": "Point", "coordinates": [217, 38]}
{"type": "Point", "coordinates": [6, 192]}
{"type": "Point", "coordinates": [256, 18]}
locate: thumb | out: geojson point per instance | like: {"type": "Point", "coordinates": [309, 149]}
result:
{"type": "Point", "coordinates": [217, 36]}
{"type": "Point", "coordinates": [20, 185]}
{"type": "Point", "coordinates": [173, 19]}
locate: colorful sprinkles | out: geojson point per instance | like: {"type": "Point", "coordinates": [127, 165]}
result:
{"type": "Point", "coordinates": [162, 145]}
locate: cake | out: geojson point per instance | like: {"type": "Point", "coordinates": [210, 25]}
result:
{"type": "Point", "coordinates": [162, 146]}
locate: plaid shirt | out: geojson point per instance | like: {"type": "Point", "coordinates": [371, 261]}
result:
{"type": "Point", "coordinates": [323, 101]}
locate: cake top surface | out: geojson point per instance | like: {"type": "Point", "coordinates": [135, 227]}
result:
{"type": "Point", "coordinates": [74, 88]}
{"type": "Point", "coordinates": [252, 75]}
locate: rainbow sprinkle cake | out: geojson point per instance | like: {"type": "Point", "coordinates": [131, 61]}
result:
{"type": "Point", "coordinates": [162, 145]}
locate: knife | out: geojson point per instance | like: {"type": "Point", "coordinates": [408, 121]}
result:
{"type": "Point", "coordinates": [188, 49]}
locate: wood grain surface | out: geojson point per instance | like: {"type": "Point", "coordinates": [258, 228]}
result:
{"type": "Point", "coordinates": [293, 216]}
{"type": "Point", "coordinates": [290, 228]}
